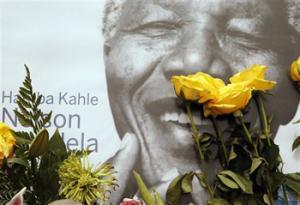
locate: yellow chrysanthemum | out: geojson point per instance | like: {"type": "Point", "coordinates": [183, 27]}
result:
{"type": "Point", "coordinates": [80, 182]}
{"type": "Point", "coordinates": [253, 78]}
{"type": "Point", "coordinates": [7, 141]}
{"type": "Point", "coordinates": [199, 87]}
{"type": "Point", "coordinates": [295, 70]}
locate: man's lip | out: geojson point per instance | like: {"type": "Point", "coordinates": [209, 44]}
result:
{"type": "Point", "coordinates": [173, 110]}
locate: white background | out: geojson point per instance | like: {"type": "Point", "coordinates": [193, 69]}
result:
{"type": "Point", "coordinates": [61, 42]}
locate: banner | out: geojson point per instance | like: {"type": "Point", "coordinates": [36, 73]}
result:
{"type": "Point", "coordinates": [103, 68]}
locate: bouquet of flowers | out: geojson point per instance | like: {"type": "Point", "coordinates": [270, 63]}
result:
{"type": "Point", "coordinates": [41, 166]}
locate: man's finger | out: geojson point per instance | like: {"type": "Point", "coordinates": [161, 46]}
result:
{"type": "Point", "coordinates": [124, 161]}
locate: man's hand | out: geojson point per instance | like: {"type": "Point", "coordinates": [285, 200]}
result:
{"type": "Point", "coordinates": [124, 161]}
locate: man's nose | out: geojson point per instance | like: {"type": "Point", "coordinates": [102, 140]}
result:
{"type": "Point", "coordinates": [198, 51]}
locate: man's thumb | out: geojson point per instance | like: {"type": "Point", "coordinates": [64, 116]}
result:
{"type": "Point", "coordinates": [124, 161]}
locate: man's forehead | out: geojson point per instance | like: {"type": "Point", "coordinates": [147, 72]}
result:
{"type": "Point", "coordinates": [139, 11]}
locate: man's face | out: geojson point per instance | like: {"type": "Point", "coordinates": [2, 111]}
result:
{"type": "Point", "coordinates": [160, 38]}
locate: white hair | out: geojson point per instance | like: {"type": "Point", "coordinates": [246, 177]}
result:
{"type": "Point", "coordinates": [112, 14]}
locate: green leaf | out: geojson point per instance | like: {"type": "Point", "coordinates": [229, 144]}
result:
{"type": "Point", "coordinates": [266, 199]}
{"type": "Point", "coordinates": [40, 144]}
{"type": "Point", "coordinates": [21, 140]}
{"type": "Point", "coordinates": [296, 143]}
{"type": "Point", "coordinates": [237, 202]}
{"type": "Point", "coordinates": [186, 184]}
{"type": "Point", "coordinates": [205, 137]}
{"type": "Point", "coordinates": [19, 161]}
{"type": "Point", "coordinates": [23, 120]}
{"type": "Point", "coordinates": [256, 162]}
{"type": "Point", "coordinates": [28, 113]}
{"type": "Point", "coordinates": [298, 121]}
{"type": "Point", "coordinates": [23, 102]}
{"type": "Point", "coordinates": [232, 154]}
{"type": "Point", "coordinates": [293, 182]}
{"type": "Point", "coordinates": [259, 179]}
{"type": "Point", "coordinates": [158, 200]}
{"type": "Point", "coordinates": [218, 201]}
{"type": "Point", "coordinates": [242, 162]}
{"type": "Point", "coordinates": [223, 188]}
{"type": "Point", "coordinates": [228, 182]}
{"type": "Point", "coordinates": [24, 135]}
{"type": "Point", "coordinates": [48, 176]}
{"type": "Point", "coordinates": [8, 188]}
{"type": "Point", "coordinates": [47, 118]}
{"type": "Point", "coordinates": [295, 176]}
{"type": "Point", "coordinates": [270, 119]}
{"type": "Point", "coordinates": [276, 180]}
{"type": "Point", "coordinates": [33, 97]}
{"type": "Point", "coordinates": [57, 145]}
{"type": "Point", "coordinates": [245, 184]}
{"type": "Point", "coordinates": [23, 109]}
{"type": "Point", "coordinates": [146, 195]}
{"type": "Point", "coordinates": [25, 91]}
{"type": "Point", "coordinates": [205, 140]}
{"type": "Point", "coordinates": [262, 136]}
{"type": "Point", "coordinates": [201, 178]}
{"type": "Point", "coordinates": [38, 100]}
{"type": "Point", "coordinates": [271, 154]}
{"type": "Point", "coordinates": [174, 191]}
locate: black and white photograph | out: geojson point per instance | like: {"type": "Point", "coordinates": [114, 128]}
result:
{"type": "Point", "coordinates": [104, 69]}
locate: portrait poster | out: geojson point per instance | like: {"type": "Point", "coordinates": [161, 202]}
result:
{"type": "Point", "coordinates": [104, 68]}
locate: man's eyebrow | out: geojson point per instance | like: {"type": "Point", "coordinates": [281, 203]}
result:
{"type": "Point", "coordinates": [152, 14]}
{"type": "Point", "coordinates": [160, 13]}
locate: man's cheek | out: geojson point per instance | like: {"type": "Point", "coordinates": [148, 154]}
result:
{"type": "Point", "coordinates": [243, 59]}
{"type": "Point", "coordinates": [131, 61]}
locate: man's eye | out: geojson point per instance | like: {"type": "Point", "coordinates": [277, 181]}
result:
{"type": "Point", "coordinates": [156, 29]}
{"type": "Point", "coordinates": [245, 40]}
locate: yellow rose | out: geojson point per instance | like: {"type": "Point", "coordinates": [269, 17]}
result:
{"type": "Point", "coordinates": [7, 142]}
{"type": "Point", "coordinates": [199, 87]}
{"type": "Point", "coordinates": [295, 70]}
{"type": "Point", "coordinates": [231, 98]}
{"type": "Point", "coordinates": [254, 78]}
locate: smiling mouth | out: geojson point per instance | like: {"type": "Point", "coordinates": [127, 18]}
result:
{"type": "Point", "coordinates": [170, 110]}
{"type": "Point", "coordinates": [181, 118]}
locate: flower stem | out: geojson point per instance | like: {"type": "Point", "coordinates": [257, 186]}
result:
{"type": "Point", "coordinates": [209, 189]}
{"type": "Point", "coordinates": [33, 165]}
{"type": "Point", "coordinates": [269, 189]}
{"type": "Point", "coordinates": [245, 129]}
{"type": "Point", "coordinates": [286, 201]}
{"type": "Point", "coordinates": [266, 130]}
{"type": "Point", "coordinates": [263, 117]}
{"type": "Point", "coordinates": [195, 132]}
{"type": "Point", "coordinates": [220, 139]}
{"type": "Point", "coordinates": [248, 135]}
{"type": "Point", "coordinates": [201, 154]}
